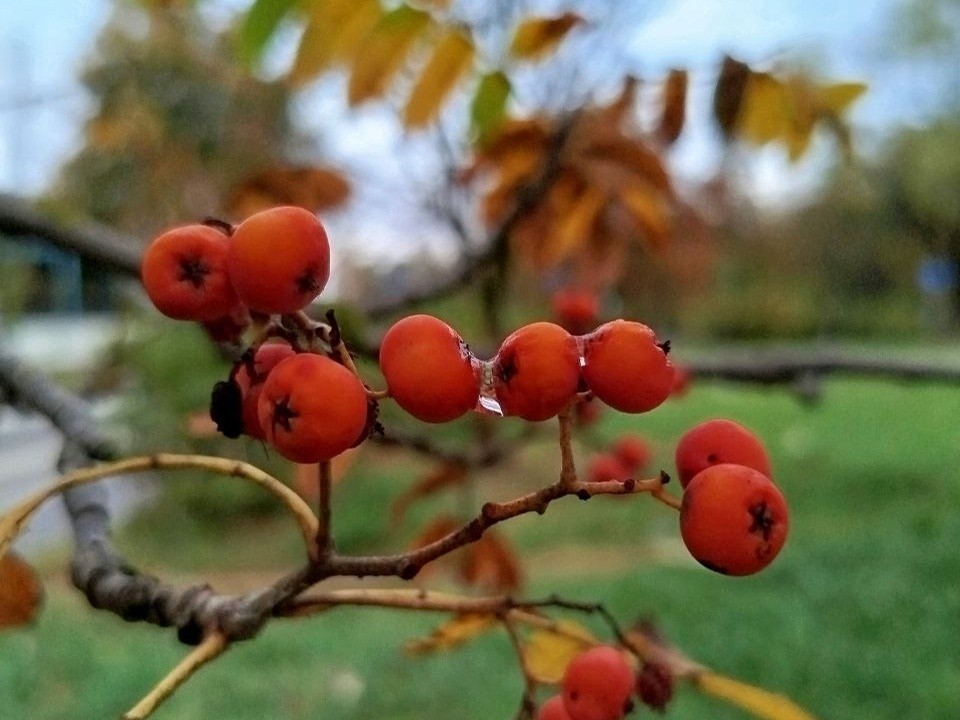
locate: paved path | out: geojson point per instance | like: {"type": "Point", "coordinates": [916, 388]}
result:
{"type": "Point", "coordinates": [29, 448]}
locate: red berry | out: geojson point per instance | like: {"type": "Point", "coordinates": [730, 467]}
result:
{"type": "Point", "coordinates": [633, 451]}
{"type": "Point", "coordinates": [576, 310]}
{"type": "Point", "coordinates": [626, 367]}
{"type": "Point", "coordinates": [266, 358]}
{"type": "Point", "coordinates": [605, 466]}
{"type": "Point", "coordinates": [587, 412]}
{"type": "Point", "coordinates": [279, 259]}
{"type": "Point", "coordinates": [537, 371]}
{"type": "Point", "coordinates": [429, 369]}
{"type": "Point", "coordinates": [682, 378]}
{"type": "Point", "coordinates": [597, 685]}
{"type": "Point", "coordinates": [715, 442]}
{"type": "Point", "coordinates": [184, 272]}
{"type": "Point", "coordinates": [312, 408]}
{"type": "Point", "coordinates": [553, 709]}
{"type": "Point", "coordinates": [733, 519]}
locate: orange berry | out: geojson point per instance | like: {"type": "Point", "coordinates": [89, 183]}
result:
{"type": "Point", "coordinates": [605, 466]}
{"type": "Point", "coordinates": [587, 412]}
{"type": "Point", "coordinates": [576, 310]}
{"type": "Point", "coordinates": [633, 451]}
{"type": "Point", "coordinates": [733, 519]}
{"type": "Point", "coordinates": [312, 408]}
{"type": "Point", "coordinates": [626, 367]}
{"type": "Point", "coordinates": [184, 272]}
{"type": "Point", "coordinates": [279, 259]}
{"type": "Point", "coordinates": [715, 442]}
{"type": "Point", "coordinates": [537, 371]}
{"type": "Point", "coordinates": [553, 709]}
{"type": "Point", "coordinates": [429, 369]}
{"type": "Point", "coordinates": [597, 685]}
{"type": "Point", "coordinates": [682, 378]}
{"type": "Point", "coordinates": [266, 358]}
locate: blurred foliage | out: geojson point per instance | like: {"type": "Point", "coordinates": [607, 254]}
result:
{"type": "Point", "coordinates": [178, 123]}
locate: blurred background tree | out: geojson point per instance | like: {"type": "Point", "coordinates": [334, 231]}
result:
{"type": "Point", "coordinates": [178, 123]}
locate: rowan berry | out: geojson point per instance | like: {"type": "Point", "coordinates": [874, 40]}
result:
{"type": "Point", "coordinates": [606, 466]}
{"type": "Point", "coordinates": [576, 310]}
{"type": "Point", "coordinates": [312, 408]}
{"type": "Point", "coordinates": [250, 378]}
{"type": "Point", "coordinates": [733, 519]}
{"type": "Point", "coordinates": [536, 372]}
{"type": "Point", "coordinates": [184, 272]}
{"type": "Point", "coordinates": [587, 412]}
{"type": "Point", "coordinates": [719, 441]}
{"type": "Point", "coordinates": [553, 709]}
{"type": "Point", "coordinates": [279, 259]}
{"type": "Point", "coordinates": [682, 378]}
{"type": "Point", "coordinates": [626, 367]}
{"type": "Point", "coordinates": [597, 685]}
{"type": "Point", "coordinates": [655, 686]}
{"type": "Point", "coordinates": [429, 369]}
{"type": "Point", "coordinates": [633, 451]}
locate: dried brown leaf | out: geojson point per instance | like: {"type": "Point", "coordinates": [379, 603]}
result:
{"type": "Point", "coordinates": [674, 110]}
{"type": "Point", "coordinates": [492, 564]}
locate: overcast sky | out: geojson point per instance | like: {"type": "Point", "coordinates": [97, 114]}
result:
{"type": "Point", "coordinates": [42, 47]}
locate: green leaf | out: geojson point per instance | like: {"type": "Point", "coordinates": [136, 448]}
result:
{"type": "Point", "coordinates": [489, 105]}
{"type": "Point", "coordinates": [259, 25]}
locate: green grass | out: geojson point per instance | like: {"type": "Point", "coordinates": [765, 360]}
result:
{"type": "Point", "coordinates": [856, 619]}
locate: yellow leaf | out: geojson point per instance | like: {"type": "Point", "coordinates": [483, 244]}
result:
{"type": "Point", "coordinates": [763, 113]}
{"type": "Point", "coordinates": [538, 36]}
{"type": "Point", "coordinates": [451, 634]}
{"type": "Point", "coordinates": [573, 228]}
{"type": "Point", "coordinates": [547, 653]}
{"type": "Point", "coordinates": [762, 703]}
{"type": "Point", "coordinates": [650, 212]}
{"type": "Point", "coordinates": [333, 32]}
{"type": "Point", "coordinates": [384, 52]}
{"type": "Point", "coordinates": [451, 58]}
{"type": "Point", "coordinates": [835, 99]}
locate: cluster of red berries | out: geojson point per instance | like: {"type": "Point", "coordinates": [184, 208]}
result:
{"type": "Point", "coordinates": [276, 261]}
{"type": "Point", "coordinates": [311, 407]}
{"type": "Point", "coordinates": [733, 518]}
{"type": "Point", "coordinates": [600, 683]}
{"type": "Point", "coordinates": [538, 370]}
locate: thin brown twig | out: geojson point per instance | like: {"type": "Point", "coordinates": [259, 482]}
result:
{"type": "Point", "coordinates": [212, 647]}
{"type": "Point", "coordinates": [528, 703]}
{"type": "Point", "coordinates": [14, 520]}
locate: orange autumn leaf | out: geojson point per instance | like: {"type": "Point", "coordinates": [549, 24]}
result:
{"type": "Point", "coordinates": [536, 37]}
{"type": "Point", "coordinates": [492, 564]}
{"type": "Point", "coordinates": [674, 110]}
{"type": "Point", "coordinates": [313, 188]}
{"type": "Point", "coordinates": [20, 592]}
{"type": "Point", "coordinates": [451, 634]}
